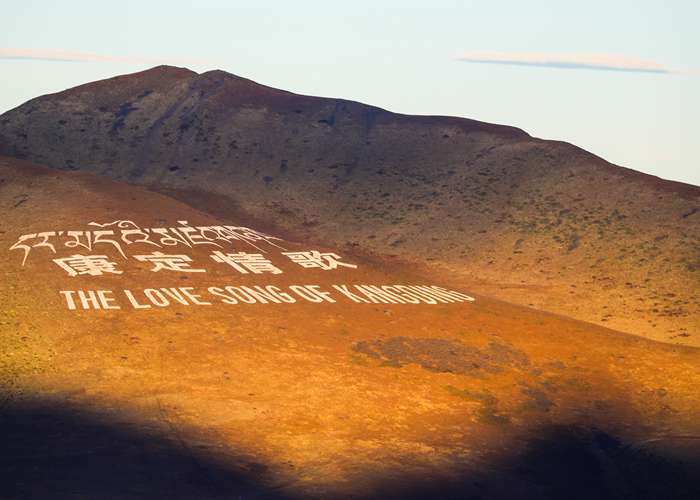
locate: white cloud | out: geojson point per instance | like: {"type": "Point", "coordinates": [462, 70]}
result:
{"type": "Point", "coordinates": [60, 55]}
{"type": "Point", "coordinates": [601, 62]}
{"type": "Point", "coordinates": [71, 56]}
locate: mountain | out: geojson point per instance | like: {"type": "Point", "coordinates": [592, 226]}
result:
{"type": "Point", "coordinates": [154, 370]}
{"type": "Point", "coordinates": [486, 207]}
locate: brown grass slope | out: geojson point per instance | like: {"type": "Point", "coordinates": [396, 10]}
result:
{"type": "Point", "coordinates": [481, 399]}
{"type": "Point", "coordinates": [540, 223]}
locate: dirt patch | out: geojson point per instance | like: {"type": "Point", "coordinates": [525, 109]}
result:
{"type": "Point", "coordinates": [443, 355]}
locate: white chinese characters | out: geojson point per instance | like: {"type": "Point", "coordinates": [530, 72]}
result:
{"type": "Point", "coordinates": [242, 262]}
{"type": "Point", "coordinates": [169, 262]}
{"type": "Point", "coordinates": [316, 259]}
{"type": "Point", "coordinates": [93, 265]}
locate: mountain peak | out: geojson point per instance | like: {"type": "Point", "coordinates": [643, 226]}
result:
{"type": "Point", "coordinates": [167, 69]}
{"type": "Point", "coordinates": [237, 84]}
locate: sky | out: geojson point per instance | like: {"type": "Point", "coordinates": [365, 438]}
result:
{"type": "Point", "coordinates": [619, 79]}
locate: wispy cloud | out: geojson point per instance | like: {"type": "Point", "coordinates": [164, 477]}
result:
{"type": "Point", "coordinates": [70, 56]}
{"type": "Point", "coordinates": [600, 62]}
{"type": "Point", "coordinates": [60, 55]}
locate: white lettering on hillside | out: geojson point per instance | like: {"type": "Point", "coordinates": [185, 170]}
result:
{"type": "Point", "coordinates": [161, 297]}
{"type": "Point", "coordinates": [124, 233]}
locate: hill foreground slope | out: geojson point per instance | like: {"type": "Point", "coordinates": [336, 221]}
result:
{"type": "Point", "coordinates": [539, 223]}
{"type": "Point", "coordinates": [146, 354]}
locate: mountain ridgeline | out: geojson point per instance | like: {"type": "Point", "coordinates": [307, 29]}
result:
{"type": "Point", "coordinates": [486, 207]}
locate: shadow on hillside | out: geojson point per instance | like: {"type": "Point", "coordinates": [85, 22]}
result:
{"type": "Point", "coordinates": [55, 452]}
{"type": "Point", "coordinates": [60, 453]}
{"type": "Point", "coordinates": [570, 463]}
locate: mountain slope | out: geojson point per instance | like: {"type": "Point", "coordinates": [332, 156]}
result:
{"type": "Point", "coordinates": [302, 399]}
{"type": "Point", "coordinates": [539, 223]}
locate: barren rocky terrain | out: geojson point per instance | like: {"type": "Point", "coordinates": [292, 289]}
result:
{"type": "Point", "coordinates": [538, 223]}
{"type": "Point", "coordinates": [344, 399]}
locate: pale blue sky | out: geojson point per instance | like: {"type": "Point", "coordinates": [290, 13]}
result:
{"type": "Point", "coordinates": [403, 56]}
